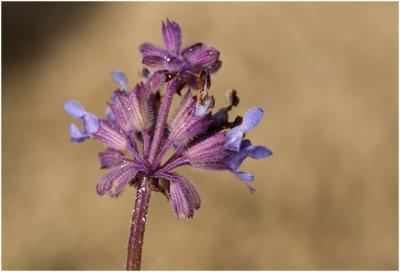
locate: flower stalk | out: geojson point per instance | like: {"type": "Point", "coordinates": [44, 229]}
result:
{"type": "Point", "coordinates": [139, 217]}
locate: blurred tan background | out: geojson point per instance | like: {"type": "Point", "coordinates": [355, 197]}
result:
{"type": "Point", "coordinates": [326, 75]}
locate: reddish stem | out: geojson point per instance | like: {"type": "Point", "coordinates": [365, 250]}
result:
{"type": "Point", "coordinates": [139, 218]}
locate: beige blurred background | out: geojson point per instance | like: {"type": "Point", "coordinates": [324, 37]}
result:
{"type": "Point", "coordinates": [326, 75]}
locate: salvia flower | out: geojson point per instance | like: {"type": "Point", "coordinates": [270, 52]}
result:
{"type": "Point", "coordinates": [140, 126]}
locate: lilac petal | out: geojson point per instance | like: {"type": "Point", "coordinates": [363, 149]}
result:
{"type": "Point", "coordinates": [148, 49]}
{"type": "Point", "coordinates": [234, 138]}
{"type": "Point", "coordinates": [115, 181]}
{"type": "Point", "coordinates": [76, 135]}
{"type": "Point", "coordinates": [74, 109]}
{"type": "Point", "coordinates": [235, 135]}
{"type": "Point", "coordinates": [208, 151]}
{"type": "Point", "coordinates": [246, 178]}
{"type": "Point", "coordinates": [258, 152]}
{"type": "Point", "coordinates": [251, 119]}
{"type": "Point", "coordinates": [235, 159]}
{"type": "Point", "coordinates": [172, 37]}
{"type": "Point", "coordinates": [154, 61]}
{"type": "Point", "coordinates": [203, 58]}
{"type": "Point", "coordinates": [121, 79]}
{"type": "Point", "coordinates": [110, 137]}
{"type": "Point", "coordinates": [90, 123]}
{"type": "Point", "coordinates": [108, 113]}
{"type": "Point", "coordinates": [110, 158]}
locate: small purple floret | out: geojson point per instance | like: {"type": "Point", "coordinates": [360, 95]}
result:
{"type": "Point", "coordinates": [90, 121]}
{"type": "Point", "coordinates": [235, 159]}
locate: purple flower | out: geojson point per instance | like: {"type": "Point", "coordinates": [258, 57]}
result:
{"type": "Point", "coordinates": [144, 114]}
{"type": "Point", "coordinates": [90, 121]}
{"type": "Point", "coordinates": [235, 159]}
{"type": "Point", "coordinates": [172, 61]}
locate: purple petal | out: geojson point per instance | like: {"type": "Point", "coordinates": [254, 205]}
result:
{"type": "Point", "coordinates": [172, 37]}
{"type": "Point", "coordinates": [246, 178]}
{"type": "Point", "coordinates": [234, 138]}
{"type": "Point", "coordinates": [110, 137]}
{"type": "Point", "coordinates": [76, 135]}
{"type": "Point", "coordinates": [154, 61]}
{"type": "Point", "coordinates": [235, 135]}
{"type": "Point", "coordinates": [110, 158]}
{"type": "Point", "coordinates": [148, 49]}
{"type": "Point", "coordinates": [235, 159]}
{"type": "Point", "coordinates": [74, 109]}
{"type": "Point", "coordinates": [258, 152]}
{"type": "Point", "coordinates": [251, 119]}
{"type": "Point", "coordinates": [90, 123]}
{"type": "Point", "coordinates": [115, 181]}
{"type": "Point", "coordinates": [121, 79]}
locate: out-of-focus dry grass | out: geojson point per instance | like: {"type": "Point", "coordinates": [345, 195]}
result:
{"type": "Point", "coordinates": [326, 75]}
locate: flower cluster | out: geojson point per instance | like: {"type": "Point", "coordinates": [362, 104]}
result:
{"type": "Point", "coordinates": [199, 138]}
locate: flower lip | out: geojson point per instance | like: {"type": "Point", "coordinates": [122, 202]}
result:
{"type": "Point", "coordinates": [121, 79]}
{"type": "Point", "coordinates": [74, 109]}
{"type": "Point", "coordinates": [250, 121]}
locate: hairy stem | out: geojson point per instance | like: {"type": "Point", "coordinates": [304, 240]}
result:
{"type": "Point", "coordinates": [139, 218]}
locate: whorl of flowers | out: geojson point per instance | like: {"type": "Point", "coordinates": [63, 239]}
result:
{"type": "Point", "coordinates": [199, 137]}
